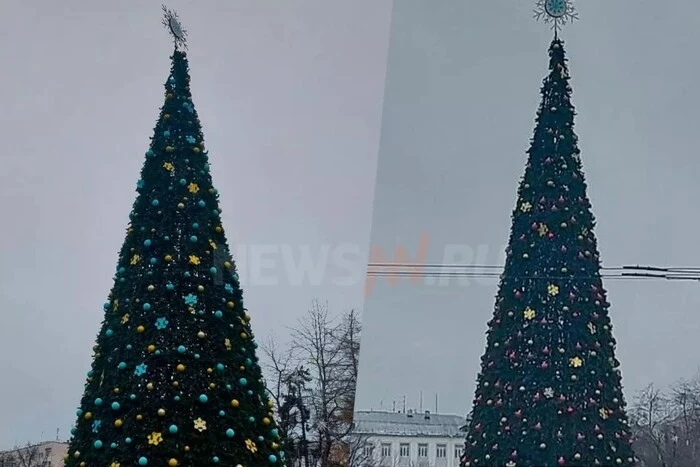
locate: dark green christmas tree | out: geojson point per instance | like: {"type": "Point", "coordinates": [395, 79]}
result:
{"type": "Point", "coordinates": [175, 379]}
{"type": "Point", "coordinates": [549, 391]}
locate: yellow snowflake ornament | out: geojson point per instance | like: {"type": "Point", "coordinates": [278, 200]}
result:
{"type": "Point", "coordinates": [194, 259]}
{"type": "Point", "coordinates": [525, 207]}
{"type": "Point", "coordinates": [155, 438]}
{"type": "Point", "coordinates": [115, 464]}
{"type": "Point", "coordinates": [529, 313]}
{"type": "Point", "coordinates": [125, 318]}
{"type": "Point", "coordinates": [576, 362]}
{"type": "Point", "coordinates": [193, 187]}
{"type": "Point", "coordinates": [251, 445]}
{"type": "Point", "coordinates": [135, 260]}
{"type": "Point", "coordinates": [552, 289]}
{"type": "Point", "coordinates": [200, 425]}
{"type": "Point", "coordinates": [543, 230]}
{"type": "Point", "coordinates": [168, 166]}
{"type": "Point", "coordinates": [592, 328]}
{"type": "Point", "coordinates": [227, 343]}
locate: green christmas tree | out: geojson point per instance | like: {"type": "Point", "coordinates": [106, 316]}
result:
{"type": "Point", "coordinates": [549, 391]}
{"type": "Point", "coordinates": [175, 379]}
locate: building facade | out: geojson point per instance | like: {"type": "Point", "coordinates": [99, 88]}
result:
{"type": "Point", "coordinates": [409, 439]}
{"type": "Point", "coordinates": [47, 454]}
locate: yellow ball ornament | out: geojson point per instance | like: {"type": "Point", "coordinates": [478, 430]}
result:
{"type": "Point", "coordinates": [118, 423]}
{"type": "Point", "coordinates": [139, 417]}
{"type": "Point", "coordinates": [88, 416]}
{"type": "Point", "coordinates": [187, 449]}
{"type": "Point", "coordinates": [201, 334]}
{"type": "Point", "coordinates": [196, 150]}
{"type": "Point", "coordinates": [151, 348]}
{"type": "Point", "coordinates": [168, 258]}
{"type": "Point", "coordinates": [244, 336]}
{"type": "Point", "coordinates": [270, 404]}
{"type": "Point", "coordinates": [218, 229]}
{"type": "Point", "coordinates": [181, 205]}
{"type": "Point", "coordinates": [227, 265]}
{"type": "Point", "coordinates": [210, 371]}
{"type": "Point", "coordinates": [149, 386]}
{"type": "Point", "coordinates": [172, 463]}
{"type": "Point", "coordinates": [212, 385]}
{"type": "Point", "coordinates": [116, 390]}
{"type": "Point", "coordinates": [151, 288]}
{"type": "Point", "coordinates": [200, 288]}
{"type": "Point", "coordinates": [266, 421]}
{"type": "Point", "coordinates": [235, 403]}
{"type": "Point", "coordinates": [140, 329]}
{"type": "Point", "coordinates": [230, 305]}
{"type": "Point", "coordinates": [180, 368]}
{"type": "Point", "coordinates": [161, 412]}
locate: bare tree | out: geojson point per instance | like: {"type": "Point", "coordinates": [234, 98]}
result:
{"type": "Point", "coordinates": [650, 415]}
{"type": "Point", "coordinates": [27, 456]}
{"type": "Point", "coordinates": [327, 349]}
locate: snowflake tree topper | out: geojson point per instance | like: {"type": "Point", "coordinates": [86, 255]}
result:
{"type": "Point", "coordinates": [557, 13]}
{"type": "Point", "coordinates": [172, 23]}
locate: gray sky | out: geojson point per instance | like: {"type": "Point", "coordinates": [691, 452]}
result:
{"type": "Point", "coordinates": [463, 81]}
{"type": "Point", "coordinates": [289, 93]}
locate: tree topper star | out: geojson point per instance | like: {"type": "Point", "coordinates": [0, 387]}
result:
{"type": "Point", "coordinates": [172, 23]}
{"type": "Point", "coordinates": [557, 13]}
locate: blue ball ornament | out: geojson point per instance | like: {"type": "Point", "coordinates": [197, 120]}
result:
{"type": "Point", "coordinates": [97, 444]}
{"type": "Point", "coordinates": [166, 133]}
{"type": "Point", "coordinates": [203, 398]}
{"type": "Point", "coordinates": [251, 419]}
{"type": "Point", "coordinates": [176, 398]}
{"type": "Point", "coordinates": [106, 306]}
{"type": "Point", "coordinates": [143, 461]}
{"type": "Point", "coordinates": [98, 402]}
{"type": "Point", "coordinates": [109, 333]}
{"type": "Point", "coordinates": [181, 349]}
{"type": "Point", "coordinates": [274, 433]}
{"type": "Point", "coordinates": [173, 429]}
{"type": "Point", "coordinates": [243, 381]}
{"type": "Point", "coordinates": [195, 225]}
{"type": "Point", "coordinates": [248, 362]}
{"type": "Point", "coordinates": [193, 238]}
{"type": "Point", "coordinates": [215, 212]}
{"type": "Point", "coordinates": [201, 203]}
{"type": "Point", "coordinates": [132, 397]}
{"type": "Point", "coordinates": [220, 366]}
{"type": "Point", "coordinates": [250, 392]}
{"type": "Point", "coordinates": [215, 459]}
{"type": "Point", "coordinates": [166, 238]}
{"type": "Point", "coordinates": [73, 431]}
{"type": "Point", "coordinates": [121, 366]}
{"type": "Point", "coordinates": [79, 412]}
{"type": "Point", "coordinates": [212, 270]}
{"type": "Point", "coordinates": [128, 440]}
{"type": "Point", "coordinates": [261, 439]}
{"type": "Point", "coordinates": [129, 347]}
{"type": "Point", "coordinates": [155, 203]}
{"type": "Point", "coordinates": [146, 306]}
{"type": "Point", "coordinates": [170, 286]}
{"type": "Point", "coordinates": [153, 260]}
{"type": "Point", "coordinates": [157, 352]}
{"type": "Point", "coordinates": [183, 181]}
{"type": "Point", "coordinates": [150, 153]}
{"type": "Point", "coordinates": [147, 243]}
{"type": "Point", "coordinates": [187, 274]}
{"type": "Point", "coordinates": [272, 458]}
{"type": "Point", "coordinates": [219, 314]}
{"type": "Point", "coordinates": [221, 413]}
{"type": "Point", "coordinates": [113, 446]}
{"type": "Point", "coordinates": [196, 356]}
{"type": "Point", "coordinates": [230, 433]}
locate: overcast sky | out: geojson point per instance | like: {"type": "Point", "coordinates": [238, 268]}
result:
{"type": "Point", "coordinates": [290, 95]}
{"type": "Point", "coordinates": [463, 81]}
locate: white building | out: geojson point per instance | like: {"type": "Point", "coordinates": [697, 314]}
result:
{"type": "Point", "coordinates": [47, 454]}
{"type": "Point", "coordinates": [410, 439]}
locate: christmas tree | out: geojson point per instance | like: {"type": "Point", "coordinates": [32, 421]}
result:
{"type": "Point", "coordinates": [175, 379]}
{"type": "Point", "coordinates": [549, 391]}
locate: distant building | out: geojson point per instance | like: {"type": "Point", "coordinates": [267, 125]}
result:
{"type": "Point", "coordinates": [47, 454]}
{"type": "Point", "coordinates": [410, 439]}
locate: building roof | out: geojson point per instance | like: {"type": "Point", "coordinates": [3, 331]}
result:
{"type": "Point", "coordinates": [408, 424]}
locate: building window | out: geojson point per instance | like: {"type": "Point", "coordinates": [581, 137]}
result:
{"type": "Point", "coordinates": [386, 450]}
{"type": "Point", "coordinates": [368, 450]}
{"type": "Point", "coordinates": [441, 451]}
{"type": "Point", "coordinates": [404, 450]}
{"type": "Point", "coordinates": [423, 450]}
{"type": "Point", "coordinates": [458, 451]}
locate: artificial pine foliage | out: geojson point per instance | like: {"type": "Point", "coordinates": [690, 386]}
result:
{"type": "Point", "coordinates": [549, 391]}
{"type": "Point", "coordinates": [175, 379]}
